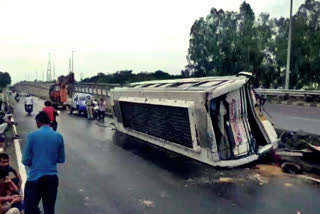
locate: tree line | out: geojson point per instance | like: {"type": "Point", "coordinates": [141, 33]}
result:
{"type": "Point", "coordinates": [227, 42]}
{"type": "Point", "coordinates": [127, 76]}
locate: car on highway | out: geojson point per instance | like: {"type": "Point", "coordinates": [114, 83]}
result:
{"type": "Point", "coordinates": [78, 102]}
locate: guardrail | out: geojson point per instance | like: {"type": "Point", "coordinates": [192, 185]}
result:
{"type": "Point", "coordinates": [293, 97]}
{"type": "Point", "coordinates": [288, 92]}
{"type": "Point", "coordinates": [98, 89]}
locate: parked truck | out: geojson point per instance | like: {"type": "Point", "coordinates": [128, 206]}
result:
{"type": "Point", "coordinates": [61, 90]}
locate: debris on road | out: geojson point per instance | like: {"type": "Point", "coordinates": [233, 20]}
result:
{"type": "Point", "coordinates": [262, 180]}
{"type": "Point", "coordinates": [298, 140]}
{"type": "Point", "coordinates": [225, 180]}
{"type": "Point", "coordinates": [288, 184]}
{"type": "Point", "coordinates": [147, 203]}
{"type": "Point", "coordinates": [298, 152]}
{"type": "Point", "coordinates": [269, 170]}
{"type": "Point", "coordinates": [164, 194]}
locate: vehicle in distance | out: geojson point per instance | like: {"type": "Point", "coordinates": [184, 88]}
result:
{"type": "Point", "coordinates": [78, 102]}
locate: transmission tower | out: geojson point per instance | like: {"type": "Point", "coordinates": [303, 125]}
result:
{"type": "Point", "coordinates": [49, 76]}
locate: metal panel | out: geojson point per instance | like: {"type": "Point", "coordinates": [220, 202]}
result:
{"type": "Point", "coordinates": [165, 122]}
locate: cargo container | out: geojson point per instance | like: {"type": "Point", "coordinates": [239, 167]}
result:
{"type": "Point", "coordinates": [215, 120]}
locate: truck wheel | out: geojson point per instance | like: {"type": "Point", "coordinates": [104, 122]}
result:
{"type": "Point", "coordinates": [291, 167]}
{"type": "Point", "coordinates": [71, 110]}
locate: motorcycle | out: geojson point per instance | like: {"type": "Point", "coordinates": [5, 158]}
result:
{"type": "Point", "coordinates": [28, 109]}
{"type": "Point", "coordinates": [17, 98]}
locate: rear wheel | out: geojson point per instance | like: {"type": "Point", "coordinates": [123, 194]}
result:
{"type": "Point", "coordinates": [71, 110]}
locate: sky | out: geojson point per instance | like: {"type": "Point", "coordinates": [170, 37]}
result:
{"type": "Point", "coordinates": [106, 35]}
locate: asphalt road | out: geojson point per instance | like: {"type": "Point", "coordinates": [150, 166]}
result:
{"type": "Point", "coordinates": [295, 118]}
{"type": "Point", "coordinates": [108, 173]}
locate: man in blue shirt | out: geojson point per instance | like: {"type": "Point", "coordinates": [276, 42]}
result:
{"type": "Point", "coordinates": [44, 148]}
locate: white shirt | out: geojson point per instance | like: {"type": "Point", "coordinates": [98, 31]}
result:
{"type": "Point", "coordinates": [102, 106]}
{"type": "Point", "coordinates": [28, 101]}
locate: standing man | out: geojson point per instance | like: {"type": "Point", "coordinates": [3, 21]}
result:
{"type": "Point", "coordinates": [44, 148]}
{"type": "Point", "coordinates": [89, 108]}
{"type": "Point", "coordinates": [102, 109]}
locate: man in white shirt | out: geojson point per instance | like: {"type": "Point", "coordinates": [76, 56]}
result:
{"type": "Point", "coordinates": [28, 100]}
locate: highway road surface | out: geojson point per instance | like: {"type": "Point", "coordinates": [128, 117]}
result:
{"type": "Point", "coordinates": [295, 118]}
{"type": "Point", "coordinates": [108, 173]}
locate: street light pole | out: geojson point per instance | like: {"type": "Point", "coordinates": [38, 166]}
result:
{"type": "Point", "coordinates": [289, 49]}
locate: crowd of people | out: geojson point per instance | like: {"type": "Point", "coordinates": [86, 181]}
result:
{"type": "Point", "coordinates": [43, 149]}
{"type": "Point", "coordinates": [96, 109]}
{"type": "Point", "coordinates": [10, 198]}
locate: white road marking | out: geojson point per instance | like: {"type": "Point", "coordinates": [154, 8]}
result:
{"type": "Point", "coordinates": [309, 178]}
{"type": "Point", "coordinates": [21, 167]}
{"type": "Point", "coordinates": [302, 118]}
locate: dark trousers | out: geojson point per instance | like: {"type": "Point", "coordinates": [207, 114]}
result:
{"type": "Point", "coordinates": [44, 188]}
{"type": "Point", "coordinates": [54, 125]}
{"type": "Point", "coordinates": [102, 115]}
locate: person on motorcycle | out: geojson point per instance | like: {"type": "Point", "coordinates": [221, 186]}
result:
{"type": "Point", "coordinates": [28, 104]}
{"type": "Point", "coordinates": [17, 97]}
{"type": "Point", "coordinates": [52, 113]}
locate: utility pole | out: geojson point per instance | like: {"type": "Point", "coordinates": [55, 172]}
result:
{"type": "Point", "coordinates": [289, 49]}
{"type": "Point", "coordinates": [53, 69]}
{"type": "Point", "coordinates": [49, 75]}
{"type": "Point", "coordinates": [70, 67]}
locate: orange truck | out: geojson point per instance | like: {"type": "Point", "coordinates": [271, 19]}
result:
{"type": "Point", "coordinates": [60, 91]}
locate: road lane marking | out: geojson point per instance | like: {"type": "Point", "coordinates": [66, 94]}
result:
{"type": "Point", "coordinates": [302, 118]}
{"type": "Point", "coordinates": [21, 167]}
{"type": "Point", "coordinates": [274, 115]}
{"type": "Point", "coordinates": [309, 178]}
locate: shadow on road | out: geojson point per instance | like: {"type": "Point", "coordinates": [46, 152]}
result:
{"type": "Point", "coordinates": [176, 164]}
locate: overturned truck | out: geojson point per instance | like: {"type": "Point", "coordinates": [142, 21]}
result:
{"type": "Point", "coordinates": [215, 120]}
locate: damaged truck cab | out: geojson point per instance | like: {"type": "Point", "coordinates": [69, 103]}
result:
{"type": "Point", "coordinates": [215, 120]}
